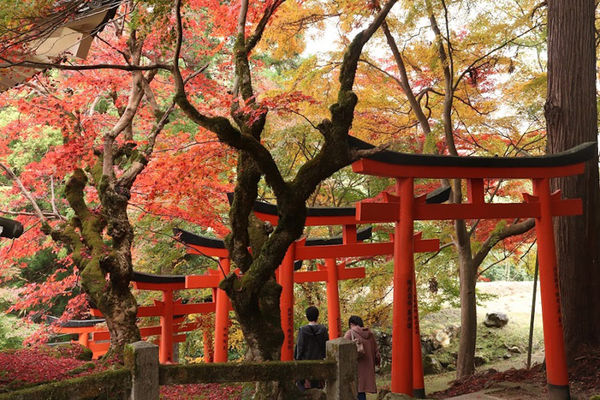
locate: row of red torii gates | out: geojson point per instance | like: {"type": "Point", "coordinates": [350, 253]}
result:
{"type": "Point", "coordinates": [401, 208]}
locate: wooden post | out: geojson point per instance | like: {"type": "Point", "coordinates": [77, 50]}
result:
{"type": "Point", "coordinates": [345, 384]}
{"type": "Point", "coordinates": [142, 359]}
{"type": "Point", "coordinates": [418, 379]}
{"type": "Point", "coordinates": [166, 328]}
{"type": "Point", "coordinates": [84, 339]}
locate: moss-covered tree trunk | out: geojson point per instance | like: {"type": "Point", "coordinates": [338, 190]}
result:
{"type": "Point", "coordinates": [255, 293]}
{"type": "Point", "coordinates": [100, 236]}
{"type": "Point", "coordinates": [105, 268]}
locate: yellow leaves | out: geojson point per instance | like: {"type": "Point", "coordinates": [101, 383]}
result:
{"type": "Point", "coordinates": [284, 37]}
{"type": "Point", "coordinates": [237, 343]}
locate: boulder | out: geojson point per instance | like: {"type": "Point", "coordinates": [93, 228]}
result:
{"type": "Point", "coordinates": [384, 343]}
{"type": "Point", "coordinates": [431, 365]}
{"type": "Point", "coordinates": [427, 346]}
{"type": "Point", "coordinates": [442, 338]}
{"type": "Point", "coordinates": [495, 320]}
{"type": "Point", "coordinates": [514, 349]}
{"type": "Point", "coordinates": [479, 360]}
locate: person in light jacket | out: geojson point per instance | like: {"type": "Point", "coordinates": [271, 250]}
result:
{"type": "Point", "coordinates": [367, 362]}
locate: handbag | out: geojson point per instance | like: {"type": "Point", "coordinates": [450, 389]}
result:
{"type": "Point", "coordinates": [360, 347]}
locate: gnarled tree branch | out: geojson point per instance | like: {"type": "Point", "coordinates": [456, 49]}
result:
{"type": "Point", "coordinates": [495, 237]}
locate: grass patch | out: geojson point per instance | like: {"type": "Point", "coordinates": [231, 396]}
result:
{"type": "Point", "coordinates": [13, 331]}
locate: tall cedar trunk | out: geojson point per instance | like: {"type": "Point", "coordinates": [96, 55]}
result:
{"type": "Point", "coordinates": [571, 117]}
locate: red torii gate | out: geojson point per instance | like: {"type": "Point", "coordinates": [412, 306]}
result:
{"type": "Point", "coordinates": [167, 310]}
{"type": "Point", "coordinates": [348, 248]}
{"type": "Point", "coordinates": [206, 246]}
{"type": "Point", "coordinates": [202, 245]}
{"type": "Point", "coordinates": [404, 209]}
{"type": "Point", "coordinates": [81, 328]}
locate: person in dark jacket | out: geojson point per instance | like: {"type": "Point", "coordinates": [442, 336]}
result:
{"type": "Point", "coordinates": [368, 361]}
{"type": "Point", "coordinates": [311, 344]}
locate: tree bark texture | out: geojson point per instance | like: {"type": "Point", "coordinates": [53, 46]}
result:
{"type": "Point", "coordinates": [465, 364]}
{"type": "Point", "coordinates": [105, 270]}
{"type": "Point", "coordinates": [571, 117]}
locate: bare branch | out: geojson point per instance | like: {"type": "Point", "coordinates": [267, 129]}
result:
{"type": "Point", "coordinates": [450, 49]}
{"type": "Point", "coordinates": [448, 80]}
{"type": "Point", "coordinates": [258, 32]}
{"type": "Point", "coordinates": [195, 74]}
{"type": "Point", "coordinates": [148, 93]}
{"type": "Point", "coordinates": [303, 116]}
{"type": "Point", "coordinates": [48, 215]}
{"type": "Point", "coordinates": [405, 83]}
{"type": "Point", "coordinates": [241, 28]}
{"type": "Point", "coordinates": [6, 63]}
{"type": "Point", "coordinates": [53, 200]}
{"type": "Point", "coordinates": [439, 250]}
{"type": "Point", "coordinates": [24, 190]}
{"type": "Point", "coordinates": [140, 163]}
{"type": "Point", "coordinates": [352, 55]}
{"type": "Point", "coordinates": [221, 126]}
{"type": "Point", "coordinates": [336, 153]}
{"type": "Point", "coordinates": [495, 237]}
{"type": "Point", "coordinates": [125, 122]}
{"type": "Point", "coordinates": [492, 51]}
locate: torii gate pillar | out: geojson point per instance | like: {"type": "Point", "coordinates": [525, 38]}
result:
{"type": "Point", "coordinates": [402, 319]}
{"type": "Point", "coordinates": [222, 318]}
{"type": "Point", "coordinates": [286, 280]}
{"type": "Point", "coordinates": [556, 363]}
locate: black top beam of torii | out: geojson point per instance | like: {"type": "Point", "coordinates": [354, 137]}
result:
{"type": "Point", "coordinates": [10, 229]}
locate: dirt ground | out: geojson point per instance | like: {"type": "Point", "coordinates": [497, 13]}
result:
{"type": "Point", "coordinates": [511, 380]}
{"type": "Point", "coordinates": [526, 384]}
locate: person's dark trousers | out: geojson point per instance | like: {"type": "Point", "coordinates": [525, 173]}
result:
{"type": "Point", "coordinates": [362, 396]}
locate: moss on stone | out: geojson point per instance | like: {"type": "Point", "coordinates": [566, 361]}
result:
{"type": "Point", "coordinates": [108, 384]}
{"type": "Point", "coordinates": [246, 372]}
{"type": "Point", "coordinates": [82, 368]}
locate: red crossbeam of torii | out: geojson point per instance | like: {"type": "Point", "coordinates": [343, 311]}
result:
{"type": "Point", "coordinates": [403, 209]}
